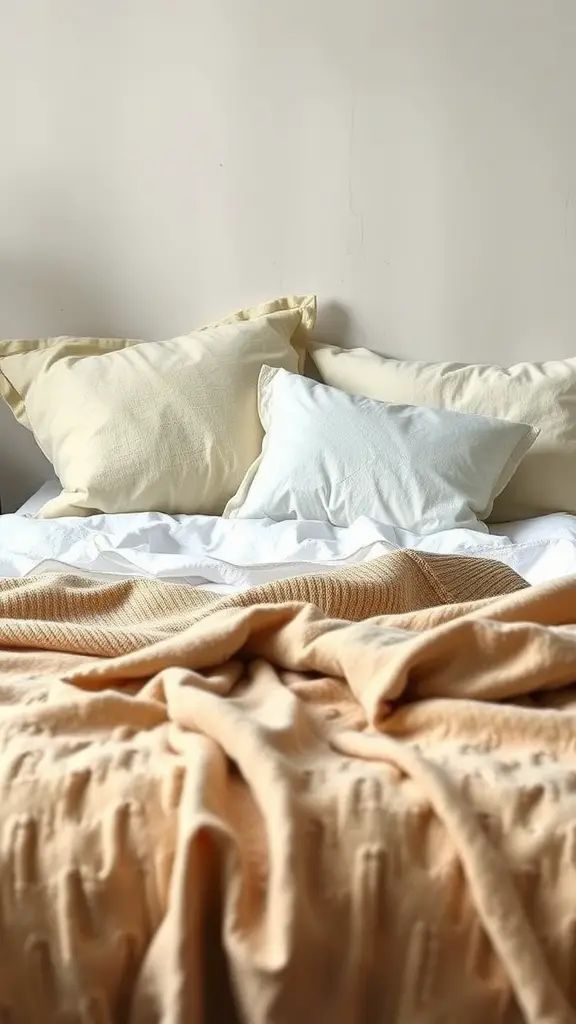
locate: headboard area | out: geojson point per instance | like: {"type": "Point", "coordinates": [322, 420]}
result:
{"type": "Point", "coordinates": [413, 162]}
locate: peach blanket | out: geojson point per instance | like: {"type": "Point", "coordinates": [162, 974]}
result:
{"type": "Point", "coordinates": [277, 815]}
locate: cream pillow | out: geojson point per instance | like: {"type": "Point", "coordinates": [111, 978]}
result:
{"type": "Point", "coordinates": [169, 426]}
{"type": "Point", "coordinates": [542, 394]}
{"type": "Point", "coordinates": [335, 457]}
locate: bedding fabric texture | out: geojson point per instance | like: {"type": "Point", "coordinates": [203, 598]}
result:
{"type": "Point", "coordinates": [234, 554]}
{"type": "Point", "coordinates": [542, 394]}
{"type": "Point", "coordinates": [135, 426]}
{"type": "Point", "coordinates": [274, 812]}
{"type": "Point", "coordinates": [330, 455]}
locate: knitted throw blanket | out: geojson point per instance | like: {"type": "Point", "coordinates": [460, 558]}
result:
{"type": "Point", "coordinates": [76, 614]}
{"type": "Point", "coordinates": [261, 811]}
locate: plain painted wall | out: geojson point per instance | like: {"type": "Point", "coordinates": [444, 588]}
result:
{"type": "Point", "coordinates": [412, 161]}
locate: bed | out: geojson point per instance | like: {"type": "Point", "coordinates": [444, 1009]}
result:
{"type": "Point", "coordinates": [207, 551]}
{"type": "Point", "coordinates": [298, 745]}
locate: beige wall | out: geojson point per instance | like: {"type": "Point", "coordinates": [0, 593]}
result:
{"type": "Point", "coordinates": [413, 161]}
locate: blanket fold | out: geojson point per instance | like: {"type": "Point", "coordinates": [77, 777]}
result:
{"type": "Point", "coordinates": [262, 808]}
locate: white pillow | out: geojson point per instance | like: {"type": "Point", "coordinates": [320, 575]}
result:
{"type": "Point", "coordinates": [332, 456]}
{"type": "Point", "coordinates": [542, 394]}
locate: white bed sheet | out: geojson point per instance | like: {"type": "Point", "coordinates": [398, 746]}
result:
{"type": "Point", "coordinates": [227, 555]}
{"type": "Point", "coordinates": [51, 489]}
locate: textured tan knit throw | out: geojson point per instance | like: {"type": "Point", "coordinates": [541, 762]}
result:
{"type": "Point", "coordinates": [256, 811]}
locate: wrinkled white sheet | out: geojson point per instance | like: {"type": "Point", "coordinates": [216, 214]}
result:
{"type": "Point", "coordinates": [235, 554]}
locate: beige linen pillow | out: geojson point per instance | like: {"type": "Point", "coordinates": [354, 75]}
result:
{"type": "Point", "coordinates": [166, 426]}
{"type": "Point", "coordinates": [541, 394]}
